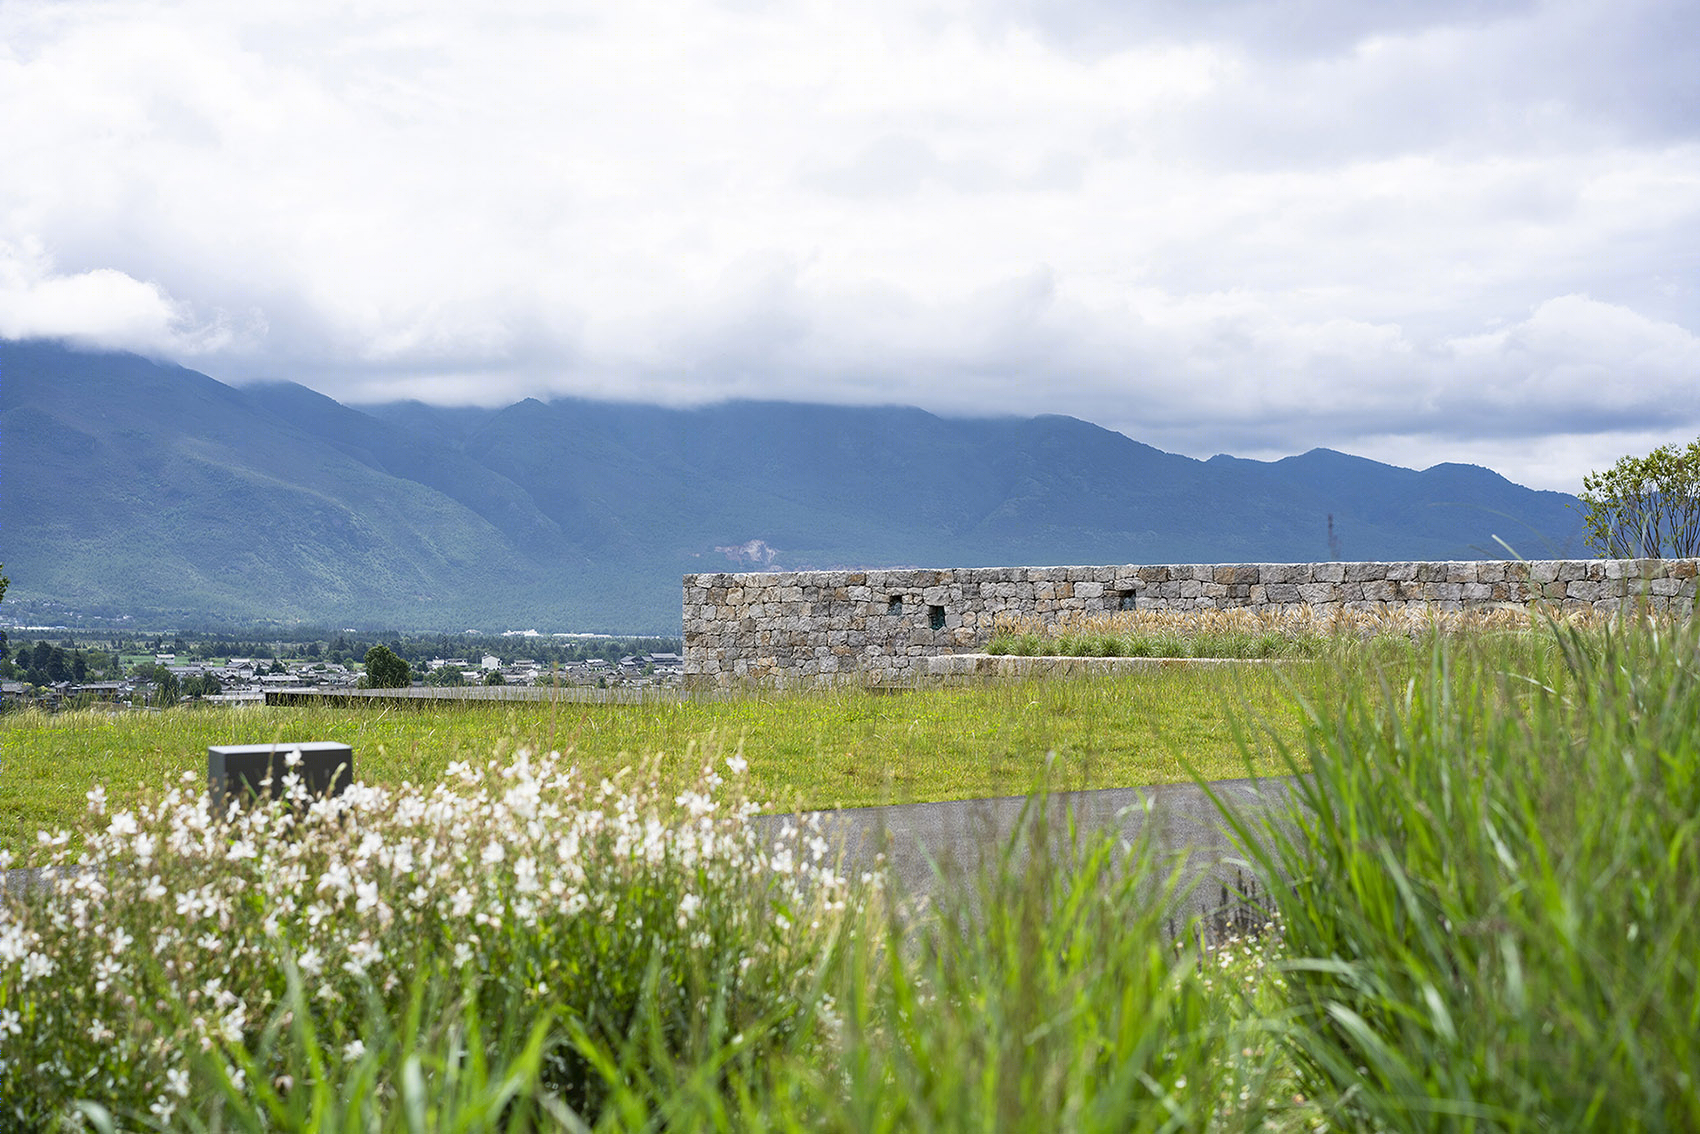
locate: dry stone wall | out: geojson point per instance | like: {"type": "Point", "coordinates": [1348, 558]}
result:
{"type": "Point", "coordinates": [816, 626]}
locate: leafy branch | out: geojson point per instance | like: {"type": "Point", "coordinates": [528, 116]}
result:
{"type": "Point", "coordinates": [1645, 507]}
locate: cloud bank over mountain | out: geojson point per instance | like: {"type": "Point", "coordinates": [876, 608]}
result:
{"type": "Point", "coordinates": [1422, 232]}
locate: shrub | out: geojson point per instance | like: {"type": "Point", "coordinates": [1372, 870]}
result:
{"type": "Point", "coordinates": [518, 893]}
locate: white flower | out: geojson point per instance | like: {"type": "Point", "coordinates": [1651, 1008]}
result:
{"type": "Point", "coordinates": [97, 799]}
{"type": "Point", "coordinates": [104, 970]}
{"type": "Point", "coordinates": [738, 764]}
{"type": "Point", "coordinates": [13, 945]}
{"type": "Point", "coordinates": [336, 877]}
{"type": "Point", "coordinates": [525, 875]}
{"type": "Point", "coordinates": [290, 759]}
{"type": "Point", "coordinates": [353, 1050]}
{"type": "Point", "coordinates": [35, 965]}
{"type": "Point", "coordinates": [310, 962]}
{"type": "Point", "coordinates": [177, 1082]}
{"type": "Point", "coordinates": [362, 955]}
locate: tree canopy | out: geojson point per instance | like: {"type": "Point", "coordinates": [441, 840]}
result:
{"type": "Point", "coordinates": [446, 675]}
{"type": "Point", "coordinates": [1645, 507]}
{"type": "Point", "coordinates": [384, 670]}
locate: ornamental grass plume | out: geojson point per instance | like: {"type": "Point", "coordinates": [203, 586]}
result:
{"type": "Point", "coordinates": [1494, 876]}
{"type": "Point", "coordinates": [163, 953]}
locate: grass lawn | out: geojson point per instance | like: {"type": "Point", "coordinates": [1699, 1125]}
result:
{"type": "Point", "coordinates": [807, 750]}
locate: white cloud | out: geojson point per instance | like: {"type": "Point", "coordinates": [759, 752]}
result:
{"type": "Point", "coordinates": [1430, 228]}
{"type": "Point", "coordinates": [101, 308]}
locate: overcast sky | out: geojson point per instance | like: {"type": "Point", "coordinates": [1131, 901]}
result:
{"type": "Point", "coordinates": [1419, 232]}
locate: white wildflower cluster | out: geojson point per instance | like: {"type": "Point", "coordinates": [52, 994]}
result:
{"type": "Point", "coordinates": [169, 935]}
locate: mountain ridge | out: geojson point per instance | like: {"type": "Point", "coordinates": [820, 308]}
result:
{"type": "Point", "coordinates": [144, 488]}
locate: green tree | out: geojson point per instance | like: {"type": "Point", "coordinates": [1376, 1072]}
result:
{"type": "Point", "coordinates": [166, 689]}
{"type": "Point", "coordinates": [202, 685]}
{"type": "Point", "coordinates": [494, 677]}
{"type": "Point", "coordinates": [1645, 507]}
{"type": "Point", "coordinates": [384, 670]}
{"type": "Point", "coordinates": [446, 676]}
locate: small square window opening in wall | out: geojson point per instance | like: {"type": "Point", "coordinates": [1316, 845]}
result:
{"type": "Point", "coordinates": [935, 617]}
{"type": "Point", "coordinates": [894, 604]}
{"type": "Point", "coordinates": [1126, 600]}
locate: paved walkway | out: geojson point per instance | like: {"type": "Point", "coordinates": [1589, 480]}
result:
{"type": "Point", "coordinates": [925, 843]}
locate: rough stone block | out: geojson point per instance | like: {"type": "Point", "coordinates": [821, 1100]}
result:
{"type": "Point", "coordinates": [1318, 593]}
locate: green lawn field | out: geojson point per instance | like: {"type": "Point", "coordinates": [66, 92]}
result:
{"type": "Point", "coordinates": [841, 748]}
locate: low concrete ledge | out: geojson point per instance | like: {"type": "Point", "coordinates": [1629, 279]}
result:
{"type": "Point", "coordinates": [472, 695]}
{"type": "Point", "coordinates": [949, 668]}
{"type": "Point", "coordinates": [243, 772]}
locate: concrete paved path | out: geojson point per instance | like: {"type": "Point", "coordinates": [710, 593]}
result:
{"type": "Point", "coordinates": [929, 844]}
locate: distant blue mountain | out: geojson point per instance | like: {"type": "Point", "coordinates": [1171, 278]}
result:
{"type": "Point", "coordinates": [130, 486]}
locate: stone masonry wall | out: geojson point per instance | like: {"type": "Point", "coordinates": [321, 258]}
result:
{"type": "Point", "coordinates": [815, 626]}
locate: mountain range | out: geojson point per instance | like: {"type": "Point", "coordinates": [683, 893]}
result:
{"type": "Point", "coordinates": [135, 487]}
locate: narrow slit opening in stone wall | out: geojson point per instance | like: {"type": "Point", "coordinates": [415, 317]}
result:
{"type": "Point", "coordinates": [894, 604]}
{"type": "Point", "coordinates": [935, 617]}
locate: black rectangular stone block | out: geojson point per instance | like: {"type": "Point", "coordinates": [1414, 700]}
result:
{"type": "Point", "coordinates": [238, 771]}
